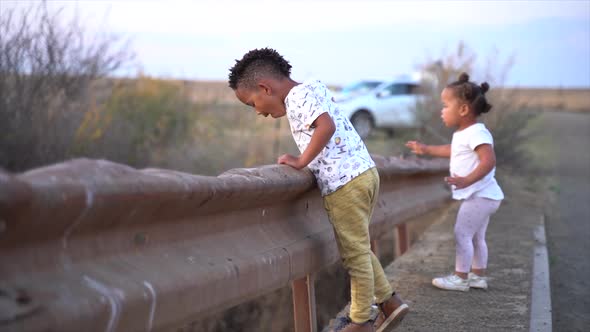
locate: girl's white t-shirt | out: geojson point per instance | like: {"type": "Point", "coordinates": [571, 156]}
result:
{"type": "Point", "coordinates": [464, 160]}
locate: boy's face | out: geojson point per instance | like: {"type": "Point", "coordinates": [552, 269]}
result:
{"type": "Point", "coordinates": [263, 100]}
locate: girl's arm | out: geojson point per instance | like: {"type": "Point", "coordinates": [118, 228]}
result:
{"type": "Point", "coordinates": [324, 130]}
{"type": "Point", "coordinates": [433, 150]}
{"type": "Point", "coordinates": [487, 161]}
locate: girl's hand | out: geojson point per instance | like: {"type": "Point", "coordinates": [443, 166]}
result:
{"type": "Point", "coordinates": [458, 181]}
{"type": "Point", "coordinates": [290, 160]}
{"type": "Point", "coordinates": [417, 147]}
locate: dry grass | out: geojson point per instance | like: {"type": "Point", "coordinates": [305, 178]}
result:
{"type": "Point", "coordinates": [250, 141]}
{"type": "Point", "coordinates": [211, 92]}
{"type": "Point", "coordinates": [572, 100]}
{"type": "Point", "coordinates": [228, 134]}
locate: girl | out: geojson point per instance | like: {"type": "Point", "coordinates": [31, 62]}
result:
{"type": "Point", "coordinates": [472, 180]}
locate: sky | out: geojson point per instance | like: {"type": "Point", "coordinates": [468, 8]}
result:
{"type": "Point", "coordinates": [343, 41]}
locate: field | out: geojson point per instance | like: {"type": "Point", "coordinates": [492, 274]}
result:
{"type": "Point", "coordinates": [195, 126]}
{"type": "Point", "coordinates": [571, 100]}
{"type": "Point", "coordinates": [251, 140]}
{"type": "Point", "coordinates": [568, 100]}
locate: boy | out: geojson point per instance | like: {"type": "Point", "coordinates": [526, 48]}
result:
{"type": "Point", "coordinates": [344, 170]}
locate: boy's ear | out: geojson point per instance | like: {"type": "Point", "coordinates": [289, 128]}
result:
{"type": "Point", "coordinates": [265, 87]}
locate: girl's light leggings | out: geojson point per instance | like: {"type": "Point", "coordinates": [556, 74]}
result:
{"type": "Point", "coordinates": [470, 233]}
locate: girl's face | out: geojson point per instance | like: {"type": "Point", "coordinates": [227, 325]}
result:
{"type": "Point", "coordinates": [453, 109]}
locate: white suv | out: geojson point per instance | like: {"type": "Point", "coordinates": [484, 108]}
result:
{"type": "Point", "coordinates": [356, 89]}
{"type": "Point", "coordinates": [389, 106]}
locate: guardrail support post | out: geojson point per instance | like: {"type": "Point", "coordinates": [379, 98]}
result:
{"type": "Point", "coordinates": [401, 240]}
{"type": "Point", "coordinates": [304, 310]}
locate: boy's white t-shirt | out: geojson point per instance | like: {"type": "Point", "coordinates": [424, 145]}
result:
{"type": "Point", "coordinates": [345, 156]}
{"type": "Point", "coordinates": [464, 160]}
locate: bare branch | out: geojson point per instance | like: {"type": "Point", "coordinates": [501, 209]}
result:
{"type": "Point", "coordinates": [46, 68]}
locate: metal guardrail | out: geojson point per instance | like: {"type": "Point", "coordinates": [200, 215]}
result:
{"type": "Point", "coordinates": [90, 245]}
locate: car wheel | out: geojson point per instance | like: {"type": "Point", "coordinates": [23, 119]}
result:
{"type": "Point", "coordinates": [362, 123]}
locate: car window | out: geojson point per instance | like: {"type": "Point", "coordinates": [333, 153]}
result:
{"type": "Point", "coordinates": [361, 86]}
{"type": "Point", "coordinates": [373, 85]}
{"type": "Point", "coordinates": [398, 89]}
{"type": "Point", "coordinates": [414, 89]}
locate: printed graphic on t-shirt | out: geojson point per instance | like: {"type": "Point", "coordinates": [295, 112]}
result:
{"type": "Point", "coordinates": [345, 156]}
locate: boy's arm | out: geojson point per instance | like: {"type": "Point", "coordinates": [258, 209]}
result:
{"type": "Point", "coordinates": [324, 130]}
{"type": "Point", "coordinates": [487, 161]}
{"type": "Point", "coordinates": [443, 151]}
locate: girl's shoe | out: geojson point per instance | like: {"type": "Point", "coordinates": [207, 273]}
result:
{"type": "Point", "coordinates": [476, 281]}
{"type": "Point", "coordinates": [451, 282]}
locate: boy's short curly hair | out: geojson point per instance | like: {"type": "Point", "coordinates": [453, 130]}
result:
{"type": "Point", "coordinates": [256, 64]}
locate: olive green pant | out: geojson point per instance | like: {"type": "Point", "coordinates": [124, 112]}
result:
{"type": "Point", "coordinates": [349, 209]}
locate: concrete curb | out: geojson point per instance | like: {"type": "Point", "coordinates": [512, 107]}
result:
{"type": "Point", "coordinates": [541, 287]}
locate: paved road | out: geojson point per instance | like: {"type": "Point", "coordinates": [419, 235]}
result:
{"type": "Point", "coordinates": [568, 221]}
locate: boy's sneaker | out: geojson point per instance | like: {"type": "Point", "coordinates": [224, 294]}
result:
{"type": "Point", "coordinates": [476, 281]}
{"type": "Point", "coordinates": [344, 324]}
{"type": "Point", "coordinates": [451, 282]}
{"type": "Point", "coordinates": [391, 314]}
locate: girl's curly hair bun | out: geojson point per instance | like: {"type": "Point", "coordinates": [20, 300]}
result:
{"type": "Point", "coordinates": [484, 87]}
{"type": "Point", "coordinates": [463, 78]}
{"type": "Point", "coordinates": [471, 93]}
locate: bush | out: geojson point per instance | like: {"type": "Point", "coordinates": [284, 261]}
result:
{"type": "Point", "coordinates": [46, 69]}
{"type": "Point", "coordinates": [138, 121]}
{"type": "Point", "coordinates": [507, 121]}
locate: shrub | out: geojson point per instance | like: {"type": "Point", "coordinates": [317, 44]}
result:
{"type": "Point", "coordinates": [46, 68]}
{"type": "Point", "coordinates": [139, 120]}
{"type": "Point", "coordinates": [507, 121]}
